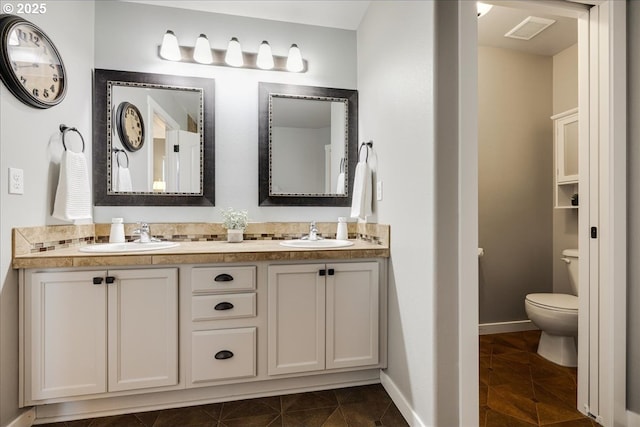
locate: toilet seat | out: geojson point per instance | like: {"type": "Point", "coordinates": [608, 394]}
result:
{"type": "Point", "coordinates": [555, 302]}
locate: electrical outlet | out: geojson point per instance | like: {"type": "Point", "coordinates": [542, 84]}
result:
{"type": "Point", "coordinates": [16, 181]}
{"type": "Point", "coordinates": [379, 190]}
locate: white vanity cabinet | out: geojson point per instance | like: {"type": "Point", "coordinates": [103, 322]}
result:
{"type": "Point", "coordinates": [323, 316]}
{"type": "Point", "coordinates": [91, 332]}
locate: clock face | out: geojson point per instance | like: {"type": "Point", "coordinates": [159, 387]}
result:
{"type": "Point", "coordinates": [130, 126]}
{"type": "Point", "coordinates": [31, 65]}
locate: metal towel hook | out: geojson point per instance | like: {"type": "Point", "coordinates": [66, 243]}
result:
{"type": "Point", "coordinates": [369, 144]}
{"type": "Point", "coordinates": [64, 129]}
{"type": "Point", "coordinates": [126, 156]}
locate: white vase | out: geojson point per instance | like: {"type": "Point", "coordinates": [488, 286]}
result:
{"type": "Point", "coordinates": [234, 236]}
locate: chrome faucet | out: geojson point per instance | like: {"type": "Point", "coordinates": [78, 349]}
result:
{"type": "Point", "coordinates": [313, 233]}
{"type": "Point", "coordinates": [143, 231]}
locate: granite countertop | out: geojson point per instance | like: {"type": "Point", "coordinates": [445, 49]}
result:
{"type": "Point", "coordinates": [198, 253]}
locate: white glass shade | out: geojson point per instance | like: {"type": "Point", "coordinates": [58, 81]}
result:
{"type": "Point", "coordinates": [483, 8]}
{"type": "Point", "coordinates": [234, 53]}
{"type": "Point", "coordinates": [294, 60]}
{"type": "Point", "coordinates": [202, 51]}
{"type": "Point", "coordinates": [265, 58]}
{"type": "Point", "coordinates": [169, 48]}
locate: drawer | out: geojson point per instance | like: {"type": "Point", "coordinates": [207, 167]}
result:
{"type": "Point", "coordinates": [223, 354]}
{"type": "Point", "coordinates": [223, 279]}
{"type": "Point", "coordinates": [223, 306]}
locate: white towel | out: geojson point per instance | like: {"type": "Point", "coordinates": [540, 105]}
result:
{"type": "Point", "coordinates": [340, 184]}
{"type": "Point", "coordinates": [362, 191]}
{"type": "Point", "coordinates": [122, 179]}
{"type": "Point", "coordinates": [73, 196]}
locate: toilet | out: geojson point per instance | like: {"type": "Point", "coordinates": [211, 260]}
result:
{"type": "Point", "coordinates": [557, 316]}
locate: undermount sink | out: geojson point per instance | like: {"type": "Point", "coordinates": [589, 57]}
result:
{"type": "Point", "coordinates": [127, 247]}
{"type": "Point", "coordinates": [318, 244]}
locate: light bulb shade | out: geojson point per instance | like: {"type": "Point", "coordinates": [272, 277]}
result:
{"type": "Point", "coordinates": [233, 56]}
{"type": "Point", "coordinates": [202, 51]}
{"type": "Point", "coordinates": [483, 8]}
{"type": "Point", "coordinates": [294, 60]}
{"type": "Point", "coordinates": [265, 58]}
{"type": "Point", "coordinates": [169, 48]}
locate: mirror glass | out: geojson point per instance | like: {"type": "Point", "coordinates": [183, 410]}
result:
{"type": "Point", "coordinates": [307, 145]}
{"type": "Point", "coordinates": [153, 139]}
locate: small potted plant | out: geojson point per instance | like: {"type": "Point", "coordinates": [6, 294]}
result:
{"type": "Point", "coordinates": [235, 222]}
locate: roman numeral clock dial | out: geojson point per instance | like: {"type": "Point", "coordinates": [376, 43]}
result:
{"type": "Point", "coordinates": [30, 65]}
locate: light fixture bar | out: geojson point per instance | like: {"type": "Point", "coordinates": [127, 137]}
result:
{"type": "Point", "coordinates": [250, 60]}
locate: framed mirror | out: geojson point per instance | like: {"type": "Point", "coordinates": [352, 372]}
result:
{"type": "Point", "coordinates": [307, 145]}
{"type": "Point", "coordinates": [153, 139]}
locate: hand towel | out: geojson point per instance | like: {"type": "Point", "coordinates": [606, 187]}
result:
{"type": "Point", "coordinates": [73, 195]}
{"type": "Point", "coordinates": [122, 180]}
{"type": "Point", "coordinates": [340, 184]}
{"type": "Point", "coordinates": [362, 191]}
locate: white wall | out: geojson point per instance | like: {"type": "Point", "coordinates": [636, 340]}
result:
{"type": "Point", "coordinates": [133, 47]}
{"type": "Point", "coordinates": [396, 92]}
{"type": "Point", "coordinates": [30, 141]}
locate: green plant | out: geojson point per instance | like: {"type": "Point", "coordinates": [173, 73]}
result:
{"type": "Point", "coordinates": [234, 219]}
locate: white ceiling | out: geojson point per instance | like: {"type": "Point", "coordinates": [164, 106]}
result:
{"type": "Point", "coordinates": [347, 14]}
{"type": "Point", "coordinates": [493, 26]}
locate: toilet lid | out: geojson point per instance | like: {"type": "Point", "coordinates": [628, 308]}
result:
{"type": "Point", "coordinates": [554, 301]}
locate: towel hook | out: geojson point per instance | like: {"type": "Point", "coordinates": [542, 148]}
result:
{"type": "Point", "coordinates": [118, 151]}
{"type": "Point", "coordinates": [64, 129]}
{"type": "Point", "coordinates": [368, 144]}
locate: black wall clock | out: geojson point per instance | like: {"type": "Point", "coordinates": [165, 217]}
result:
{"type": "Point", "coordinates": [30, 65]}
{"type": "Point", "coordinates": [130, 126]}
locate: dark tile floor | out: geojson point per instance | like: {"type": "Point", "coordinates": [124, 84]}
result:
{"type": "Point", "coordinates": [346, 407]}
{"type": "Point", "coordinates": [520, 388]}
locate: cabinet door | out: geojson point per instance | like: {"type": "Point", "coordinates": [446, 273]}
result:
{"type": "Point", "coordinates": [352, 314]}
{"type": "Point", "coordinates": [296, 313]}
{"type": "Point", "coordinates": [65, 334]}
{"type": "Point", "coordinates": [143, 328]}
{"type": "Point", "coordinates": [567, 148]}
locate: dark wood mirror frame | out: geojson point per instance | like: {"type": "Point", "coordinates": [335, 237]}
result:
{"type": "Point", "coordinates": [265, 92]}
{"type": "Point", "coordinates": [101, 113]}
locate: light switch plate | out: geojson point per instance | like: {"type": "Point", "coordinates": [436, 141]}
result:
{"type": "Point", "coordinates": [16, 181]}
{"type": "Point", "coordinates": [379, 190]}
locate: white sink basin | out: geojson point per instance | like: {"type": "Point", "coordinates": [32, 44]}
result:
{"type": "Point", "coordinates": [127, 247]}
{"type": "Point", "coordinates": [318, 244]}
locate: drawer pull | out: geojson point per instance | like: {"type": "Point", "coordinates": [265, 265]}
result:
{"type": "Point", "coordinates": [224, 277]}
{"type": "Point", "coordinates": [223, 306]}
{"type": "Point", "coordinates": [224, 354]}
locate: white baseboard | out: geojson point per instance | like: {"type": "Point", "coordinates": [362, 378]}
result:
{"type": "Point", "coordinates": [502, 327]}
{"type": "Point", "coordinates": [398, 398]}
{"type": "Point", "coordinates": [633, 419]}
{"type": "Point", "coordinates": [25, 419]}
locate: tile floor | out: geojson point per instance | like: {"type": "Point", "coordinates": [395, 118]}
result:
{"type": "Point", "coordinates": [518, 388]}
{"type": "Point", "coordinates": [346, 407]}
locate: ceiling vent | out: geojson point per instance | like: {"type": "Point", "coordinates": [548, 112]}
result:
{"type": "Point", "coordinates": [529, 28]}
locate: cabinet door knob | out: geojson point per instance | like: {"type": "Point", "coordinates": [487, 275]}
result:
{"type": "Point", "coordinates": [224, 277]}
{"type": "Point", "coordinates": [98, 280]}
{"type": "Point", "coordinates": [223, 306]}
{"type": "Point", "coordinates": [322, 272]}
{"type": "Point", "coordinates": [331, 272]}
{"type": "Point", "coordinates": [110, 279]}
{"type": "Point", "coordinates": [224, 354]}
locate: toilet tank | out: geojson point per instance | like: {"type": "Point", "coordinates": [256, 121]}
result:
{"type": "Point", "coordinates": [570, 256]}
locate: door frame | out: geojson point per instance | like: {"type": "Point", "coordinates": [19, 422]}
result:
{"type": "Point", "coordinates": [610, 206]}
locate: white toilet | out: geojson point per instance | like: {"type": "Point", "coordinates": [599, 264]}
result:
{"type": "Point", "coordinates": [557, 316]}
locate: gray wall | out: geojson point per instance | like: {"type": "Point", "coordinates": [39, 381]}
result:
{"type": "Point", "coordinates": [565, 221]}
{"type": "Point", "coordinates": [515, 183]}
{"type": "Point", "coordinates": [30, 141]}
{"type": "Point", "coordinates": [633, 322]}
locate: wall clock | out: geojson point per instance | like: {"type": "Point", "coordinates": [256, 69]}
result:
{"type": "Point", "coordinates": [30, 65]}
{"type": "Point", "coordinates": [130, 126]}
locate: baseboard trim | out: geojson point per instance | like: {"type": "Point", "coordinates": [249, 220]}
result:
{"type": "Point", "coordinates": [398, 398]}
{"type": "Point", "coordinates": [633, 419]}
{"type": "Point", "coordinates": [25, 419]}
{"type": "Point", "coordinates": [502, 327]}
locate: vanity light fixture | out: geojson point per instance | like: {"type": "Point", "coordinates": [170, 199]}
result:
{"type": "Point", "coordinates": [170, 49]}
{"type": "Point", "coordinates": [265, 57]}
{"type": "Point", "coordinates": [234, 53]}
{"type": "Point", "coordinates": [202, 51]}
{"type": "Point", "coordinates": [233, 56]}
